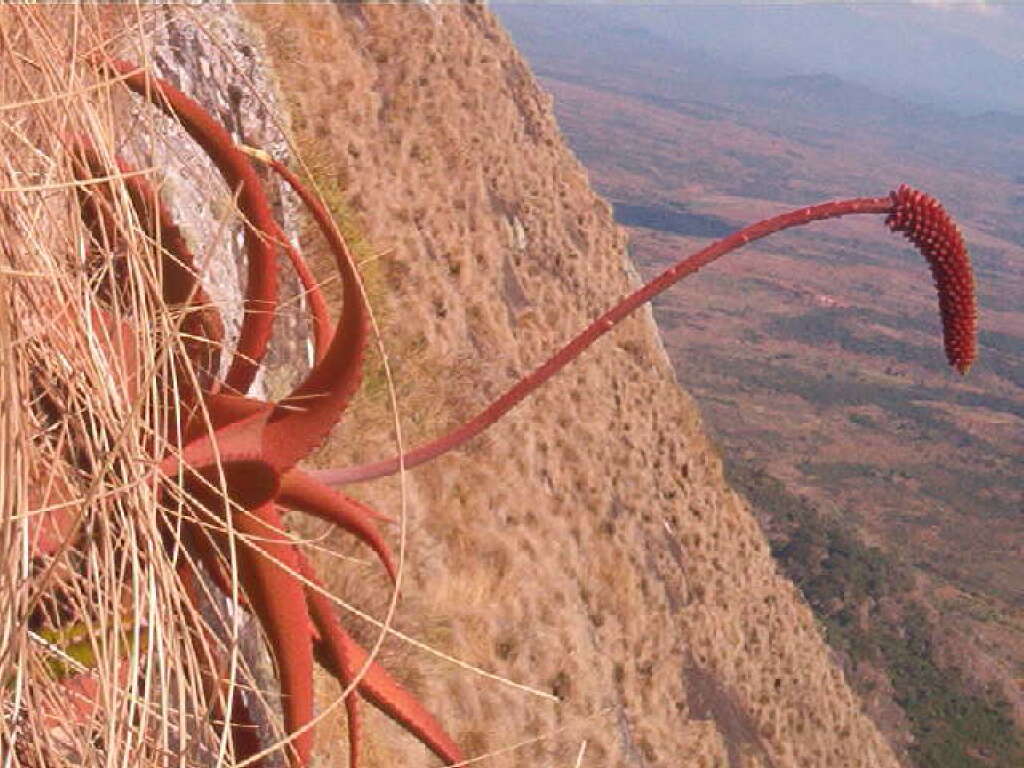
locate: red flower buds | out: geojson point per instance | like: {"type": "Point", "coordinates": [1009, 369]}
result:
{"type": "Point", "coordinates": [925, 223]}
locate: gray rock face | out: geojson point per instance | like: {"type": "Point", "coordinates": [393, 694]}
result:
{"type": "Point", "coordinates": [207, 54]}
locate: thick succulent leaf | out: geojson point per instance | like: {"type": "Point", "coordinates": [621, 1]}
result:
{"type": "Point", "coordinates": [302, 421]}
{"type": "Point", "coordinates": [301, 492]}
{"type": "Point", "coordinates": [345, 657]}
{"type": "Point", "coordinates": [234, 166]}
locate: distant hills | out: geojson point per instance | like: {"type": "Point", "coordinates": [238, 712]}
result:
{"type": "Point", "coordinates": [957, 57]}
{"type": "Point", "coordinates": [815, 356]}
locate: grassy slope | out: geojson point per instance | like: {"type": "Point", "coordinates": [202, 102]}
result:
{"type": "Point", "coordinates": [587, 546]}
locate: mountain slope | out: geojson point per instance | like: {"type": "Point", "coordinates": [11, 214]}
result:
{"type": "Point", "coordinates": [867, 458]}
{"type": "Point", "coordinates": [588, 545]}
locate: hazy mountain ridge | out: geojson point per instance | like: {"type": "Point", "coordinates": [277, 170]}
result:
{"type": "Point", "coordinates": [933, 55]}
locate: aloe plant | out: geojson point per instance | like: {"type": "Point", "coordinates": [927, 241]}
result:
{"type": "Point", "coordinates": [233, 459]}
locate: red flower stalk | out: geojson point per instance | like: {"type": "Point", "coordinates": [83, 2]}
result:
{"type": "Point", "coordinates": [923, 220]}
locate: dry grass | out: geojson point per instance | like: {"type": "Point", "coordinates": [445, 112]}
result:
{"type": "Point", "coordinates": [98, 663]}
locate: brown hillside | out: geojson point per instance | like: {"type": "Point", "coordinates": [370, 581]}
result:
{"type": "Point", "coordinates": [814, 357]}
{"type": "Point", "coordinates": [587, 546]}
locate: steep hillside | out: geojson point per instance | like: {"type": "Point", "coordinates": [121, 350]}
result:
{"type": "Point", "coordinates": [831, 402]}
{"type": "Point", "coordinates": [587, 546]}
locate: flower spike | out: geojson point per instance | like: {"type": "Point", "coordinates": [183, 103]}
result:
{"type": "Point", "coordinates": [925, 223]}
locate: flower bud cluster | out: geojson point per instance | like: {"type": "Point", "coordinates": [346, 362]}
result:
{"type": "Point", "coordinates": [924, 222]}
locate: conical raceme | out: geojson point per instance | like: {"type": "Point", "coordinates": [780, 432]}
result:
{"type": "Point", "coordinates": [925, 223]}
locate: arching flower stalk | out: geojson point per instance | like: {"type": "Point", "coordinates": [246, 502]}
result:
{"type": "Point", "coordinates": [920, 217]}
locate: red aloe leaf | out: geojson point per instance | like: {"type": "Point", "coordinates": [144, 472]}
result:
{"type": "Point", "coordinates": [345, 657]}
{"type": "Point", "coordinates": [203, 328]}
{"type": "Point", "coordinates": [95, 205]}
{"type": "Point", "coordinates": [237, 443]}
{"type": "Point", "coordinates": [49, 529]}
{"type": "Point", "coordinates": [334, 657]}
{"type": "Point", "coordinates": [301, 492]}
{"type": "Point", "coordinates": [234, 166]}
{"type": "Point", "coordinates": [322, 331]}
{"type": "Point", "coordinates": [221, 410]}
{"type": "Point", "coordinates": [199, 544]}
{"type": "Point", "coordinates": [267, 562]}
{"type": "Point", "coordinates": [244, 734]}
{"type": "Point", "coordinates": [302, 421]}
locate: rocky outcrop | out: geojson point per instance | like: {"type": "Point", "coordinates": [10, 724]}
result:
{"type": "Point", "coordinates": [208, 54]}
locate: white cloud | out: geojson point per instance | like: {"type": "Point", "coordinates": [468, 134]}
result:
{"type": "Point", "coordinates": [964, 6]}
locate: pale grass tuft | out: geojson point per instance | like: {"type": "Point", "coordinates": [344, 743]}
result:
{"type": "Point", "coordinates": [97, 663]}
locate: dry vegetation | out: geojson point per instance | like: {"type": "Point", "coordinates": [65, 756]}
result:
{"type": "Point", "coordinates": [95, 654]}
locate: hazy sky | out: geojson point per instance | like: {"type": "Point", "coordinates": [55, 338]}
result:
{"type": "Point", "coordinates": [965, 55]}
